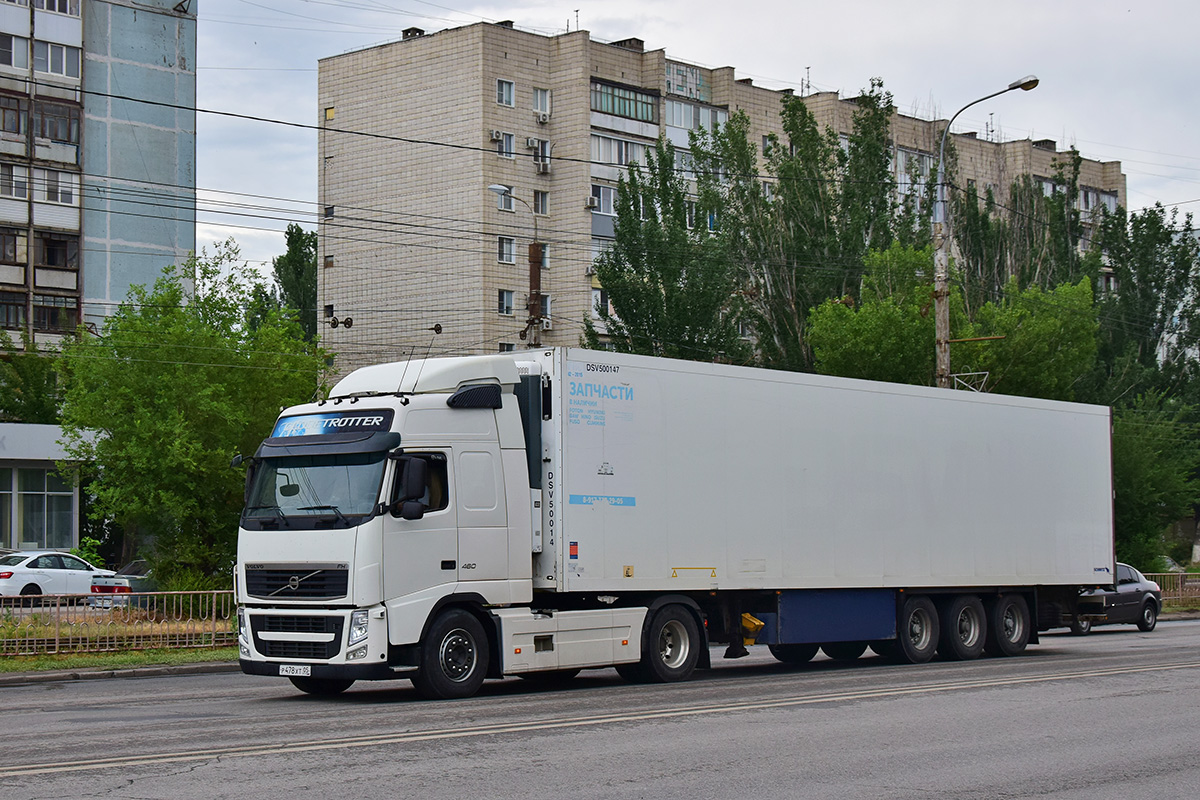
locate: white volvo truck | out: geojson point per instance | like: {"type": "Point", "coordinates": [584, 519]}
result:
{"type": "Point", "coordinates": [537, 513]}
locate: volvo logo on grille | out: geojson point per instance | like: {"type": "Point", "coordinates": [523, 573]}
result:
{"type": "Point", "coordinates": [294, 582]}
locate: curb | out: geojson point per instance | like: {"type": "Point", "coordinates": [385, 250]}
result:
{"type": "Point", "coordinates": [59, 676]}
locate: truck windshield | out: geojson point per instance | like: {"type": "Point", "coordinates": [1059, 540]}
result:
{"type": "Point", "coordinates": [340, 486]}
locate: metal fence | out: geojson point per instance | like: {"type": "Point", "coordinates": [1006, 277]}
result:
{"type": "Point", "coordinates": [1179, 589]}
{"type": "Point", "coordinates": [42, 624]}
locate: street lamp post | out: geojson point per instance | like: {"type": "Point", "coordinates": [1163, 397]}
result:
{"type": "Point", "coordinates": [533, 324]}
{"type": "Point", "coordinates": [941, 244]}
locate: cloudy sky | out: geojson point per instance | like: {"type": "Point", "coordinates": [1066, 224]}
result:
{"type": "Point", "coordinates": [1116, 77]}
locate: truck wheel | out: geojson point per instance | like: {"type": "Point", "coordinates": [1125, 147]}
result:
{"type": "Point", "coordinates": [793, 653]}
{"type": "Point", "coordinates": [454, 657]}
{"type": "Point", "coordinates": [1149, 617]}
{"type": "Point", "coordinates": [1007, 626]}
{"type": "Point", "coordinates": [844, 651]}
{"type": "Point", "coordinates": [963, 629]}
{"type": "Point", "coordinates": [916, 631]}
{"type": "Point", "coordinates": [323, 687]}
{"type": "Point", "coordinates": [1081, 627]}
{"type": "Point", "coordinates": [672, 646]}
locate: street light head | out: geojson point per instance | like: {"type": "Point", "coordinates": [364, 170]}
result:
{"type": "Point", "coordinates": [1025, 84]}
{"type": "Point", "coordinates": [501, 189]}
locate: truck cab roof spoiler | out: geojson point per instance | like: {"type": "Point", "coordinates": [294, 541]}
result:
{"type": "Point", "coordinates": [329, 444]}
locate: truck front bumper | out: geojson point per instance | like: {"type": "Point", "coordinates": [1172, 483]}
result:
{"type": "Point", "coordinates": [354, 672]}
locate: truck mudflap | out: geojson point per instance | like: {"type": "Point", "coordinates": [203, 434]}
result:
{"type": "Point", "coordinates": [355, 672]}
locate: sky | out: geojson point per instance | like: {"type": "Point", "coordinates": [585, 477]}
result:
{"type": "Point", "coordinates": [1116, 78]}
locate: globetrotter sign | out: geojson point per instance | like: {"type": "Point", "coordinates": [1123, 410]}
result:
{"type": "Point", "coordinates": [333, 422]}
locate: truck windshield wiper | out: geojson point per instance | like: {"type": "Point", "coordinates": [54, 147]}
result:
{"type": "Point", "coordinates": [276, 509]}
{"type": "Point", "coordinates": [334, 509]}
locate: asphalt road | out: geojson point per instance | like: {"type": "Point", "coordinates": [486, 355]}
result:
{"type": "Point", "coordinates": [1112, 715]}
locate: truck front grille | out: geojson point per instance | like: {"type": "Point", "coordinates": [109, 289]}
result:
{"type": "Point", "coordinates": [297, 583]}
{"type": "Point", "coordinates": [263, 623]}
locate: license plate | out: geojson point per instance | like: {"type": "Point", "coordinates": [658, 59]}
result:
{"type": "Point", "coordinates": [299, 670]}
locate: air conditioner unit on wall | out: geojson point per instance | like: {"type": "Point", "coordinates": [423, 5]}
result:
{"type": "Point", "coordinates": [533, 143]}
{"type": "Point", "coordinates": [547, 325]}
{"type": "Point", "coordinates": [593, 202]}
{"type": "Point", "coordinates": [543, 167]}
{"type": "Point", "coordinates": [497, 135]}
{"type": "Point", "coordinates": [542, 117]}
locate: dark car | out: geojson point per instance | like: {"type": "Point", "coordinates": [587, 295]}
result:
{"type": "Point", "coordinates": [1135, 600]}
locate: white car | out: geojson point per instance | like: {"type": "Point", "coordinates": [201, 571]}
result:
{"type": "Point", "coordinates": [46, 572]}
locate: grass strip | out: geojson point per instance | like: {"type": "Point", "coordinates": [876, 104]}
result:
{"type": "Point", "coordinates": [125, 660]}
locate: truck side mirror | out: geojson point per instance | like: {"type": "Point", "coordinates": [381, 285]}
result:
{"type": "Point", "coordinates": [411, 509]}
{"type": "Point", "coordinates": [414, 483]}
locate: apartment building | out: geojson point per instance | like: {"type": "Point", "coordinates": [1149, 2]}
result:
{"type": "Point", "coordinates": [97, 193]}
{"type": "Point", "coordinates": [97, 186]}
{"type": "Point", "coordinates": [418, 255]}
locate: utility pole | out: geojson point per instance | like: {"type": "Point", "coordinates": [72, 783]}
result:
{"type": "Point", "coordinates": [941, 244]}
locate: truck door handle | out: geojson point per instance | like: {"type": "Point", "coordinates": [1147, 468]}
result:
{"type": "Point", "coordinates": [449, 565]}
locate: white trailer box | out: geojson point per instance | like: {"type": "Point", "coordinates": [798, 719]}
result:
{"type": "Point", "coordinates": [676, 475]}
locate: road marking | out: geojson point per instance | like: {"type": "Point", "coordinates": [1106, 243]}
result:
{"type": "Point", "coordinates": [403, 737]}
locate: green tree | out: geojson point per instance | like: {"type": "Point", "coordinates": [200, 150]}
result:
{"type": "Point", "coordinates": [295, 274]}
{"type": "Point", "coordinates": [175, 384]}
{"type": "Point", "coordinates": [1154, 465]}
{"type": "Point", "coordinates": [666, 276]}
{"type": "Point", "coordinates": [29, 388]}
{"type": "Point", "coordinates": [888, 335]}
{"type": "Point", "coordinates": [800, 236]}
{"type": "Point", "coordinates": [1048, 345]}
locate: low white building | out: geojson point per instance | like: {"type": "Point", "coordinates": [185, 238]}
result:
{"type": "Point", "coordinates": [38, 507]}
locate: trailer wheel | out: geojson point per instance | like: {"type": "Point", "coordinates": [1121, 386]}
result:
{"type": "Point", "coordinates": [963, 629]}
{"type": "Point", "coordinates": [1149, 617]}
{"type": "Point", "coordinates": [1081, 627]}
{"type": "Point", "coordinates": [844, 651]}
{"type": "Point", "coordinates": [454, 657]}
{"type": "Point", "coordinates": [322, 687]}
{"type": "Point", "coordinates": [1007, 626]}
{"type": "Point", "coordinates": [916, 631]}
{"type": "Point", "coordinates": [672, 647]}
{"type": "Point", "coordinates": [793, 653]}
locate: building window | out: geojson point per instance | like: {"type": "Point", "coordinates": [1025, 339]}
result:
{"type": "Point", "coordinates": [505, 250]}
{"type": "Point", "coordinates": [546, 307]}
{"type": "Point", "coordinates": [541, 101]}
{"type": "Point", "coordinates": [506, 146]}
{"type": "Point", "coordinates": [54, 186]}
{"type": "Point", "coordinates": [57, 122]}
{"type": "Point", "coordinates": [14, 51]}
{"type": "Point", "coordinates": [696, 117]}
{"type": "Point", "coordinates": [504, 304]}
{"type": "Point", "coordinates": [12, 246]}
{"type": "Point", "coordinates": [622, 102]}
{"type": "Point", "coordinates": [504, 202]}
{"type": "Point", "coordinates": [61, 6]}
{"type": "Point", "coordinates": [13, 112]}
{"type": "Point", "coordinates": [542, 154]}
{"type": "Point", "coordinates": [14, 181]}
{"type": "Point", "coordinates": [44, 508]}
{"type": "Point", "coordinates": [330, 113]}
{"type": "Point", "coordinates": [52, 313]}
{"type": "Point", "coordinates": [506, 347]}
{"type": "Point", "coordinates": [12, 310]}
{"type": "Point", "coordinates": [603, 197]}
{"type": "Point", "coordinates": [56, 250]}
{"type": "Point", "coordinates": [56, 59]}
{"type": "Point", "coordinates": [504, 92]}
{"type": "Point", "coordinates": [606, 150]}
{"type": "Point", "coordinates": [541, 202]}
{"type": "Point", "coordinates": [600, 303]}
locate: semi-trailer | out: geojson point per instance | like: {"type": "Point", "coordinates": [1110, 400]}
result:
{"type": "Point", "coordinates": [538, 513]}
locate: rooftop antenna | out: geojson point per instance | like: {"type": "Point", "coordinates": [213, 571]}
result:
{"type": "Point", "coordinates": [437, 329]}
{"type": "Point", "coordinates": [400, 385]}
{"type": "Point", "coordinates": [577, 19]}
{"type": "Point", "coordinates": [804, 90]}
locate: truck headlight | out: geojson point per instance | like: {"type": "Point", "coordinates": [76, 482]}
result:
{"type": "Point", "coordinates": [358, 626]}
{"type": "Point", "coordinates": [242, 624]}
